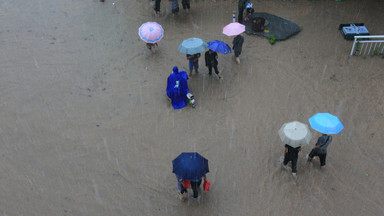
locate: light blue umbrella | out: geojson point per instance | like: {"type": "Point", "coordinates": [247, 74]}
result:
{"type": "Point", "coordinates": [219, 46]}
{"type": "Point", "coordinates": [192, 46]}
{"type": "Point", "coordinates": [326, 123]}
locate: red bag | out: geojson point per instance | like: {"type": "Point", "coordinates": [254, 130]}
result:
{"type": "Point", "coordinates": [206, 185]}
{"type": "Point", "coordinates": [186, 184]}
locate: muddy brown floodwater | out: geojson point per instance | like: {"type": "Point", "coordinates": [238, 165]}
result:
{"type": "Point", "coordinates": [86, 129]}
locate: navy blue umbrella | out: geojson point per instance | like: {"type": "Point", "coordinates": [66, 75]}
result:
{"type": "Point", "coordinates": [190, 166]}
{"type": "Point", "coordinates": [219, 46]}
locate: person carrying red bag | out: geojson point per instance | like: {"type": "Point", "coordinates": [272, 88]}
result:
{"type": "Point", "coordinates": [206, 185]}
{"type": "Point", "coordinates": [183, 185]}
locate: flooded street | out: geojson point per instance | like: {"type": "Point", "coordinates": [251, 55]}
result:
{"type": "Point", "coordinates": [86, 127]}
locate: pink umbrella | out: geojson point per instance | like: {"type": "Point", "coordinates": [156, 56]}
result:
{"type": "Point", "coordinates": [233, 29]}
{"type": "Point", "coordinates": [151, 32]}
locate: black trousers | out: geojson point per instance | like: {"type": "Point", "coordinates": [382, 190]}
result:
{"type": "Point", "coordinates": [186, 4]}
{"type": "Point", "coordinates": [157, 5]}
{"type": "Point", "coordinates": [288, 158]}
{"type": "Point", "coordinates": [240, 16]}
{"type": "Point", "coordinates": [214, 67]}
{"type": "Point", "coordinates": [194, 186]}
{"type": "Point", "coordinates": [314, 152]}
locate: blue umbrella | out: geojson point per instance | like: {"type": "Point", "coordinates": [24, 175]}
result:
{"type": "Point", "coordinates": [190, 166]}
{"type": "Point", "coordinates": [192, 46]}
{"type": "Point", "coordinates": [219, 46]}
{"type": "Point", "coordinates": [326, 123]}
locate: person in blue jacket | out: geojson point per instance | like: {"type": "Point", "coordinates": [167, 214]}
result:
{"type": "Point", "coordinates": [177, 88]}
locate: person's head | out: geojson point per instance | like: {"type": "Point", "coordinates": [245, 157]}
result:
{"type": "Point", "coordinates": [325, 134]}
{"type": "Point", "coordinates": [175, 69]}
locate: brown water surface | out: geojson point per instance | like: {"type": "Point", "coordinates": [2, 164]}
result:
{"type": "Point", "coordinates": [86, 129]}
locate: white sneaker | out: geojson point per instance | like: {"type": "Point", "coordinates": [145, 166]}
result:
{"type": "Point", "coordinates": [183, 196]}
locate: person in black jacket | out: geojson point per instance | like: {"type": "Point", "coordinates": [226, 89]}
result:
{"type": "Point", "coordinates": [238, 46]}
{"type": "Point", "coordinates": [211, 61]}
{"type": "Point", "coordinates": [241, 6]}
{"type": "Point", "coordinates": [291, 154]}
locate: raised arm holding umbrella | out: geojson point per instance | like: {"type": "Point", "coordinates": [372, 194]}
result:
{"type": "Point", "coordinates": [192, 47]}
{"type": "Point", "coordinates": [237, 29]}
{"type": "Point", "coordinates": [211, 57]}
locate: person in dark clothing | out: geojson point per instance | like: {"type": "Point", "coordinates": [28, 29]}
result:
{"type": "Point", "coordinates": [196, 185]}
{"type": "Point", "coordinates": [186, 5]}
{"type": "Point", "coordinates": [238, 46]}
{"type": "Point", "coordinates": [249, 12]}
{"type": "Point", "coordinates": [241, 6]}
{"type": "Point", "coordinates": [320, 149]}
{"type": "Point", "coordinates": [211, 61]}
{"type": "Point", "coordinates": [291, 154]}
{"type": "Point", "coordinates": [157, 7]}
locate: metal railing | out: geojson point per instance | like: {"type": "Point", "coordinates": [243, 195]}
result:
{"type": "Point", "coordinates": [363, 45]}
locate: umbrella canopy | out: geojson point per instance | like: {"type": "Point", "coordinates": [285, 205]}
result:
{"type": "Point", "coordinates": [233, 29]}
{"type": "Point", "coordinates": [192, 46]}
{"type": "Point", "coordinates": [219, 46]}
{"type": "Point", "coordinates": [151, 32]}
{"type": "Point", "coordinates": [326, 123]}
{"type": "Point", "coordinates": [295, 134]}
{"type": "Point", "coordinates": [190, 166]}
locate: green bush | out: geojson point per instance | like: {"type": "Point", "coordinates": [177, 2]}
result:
{"type": "Point", "coordinates": [272, 39]}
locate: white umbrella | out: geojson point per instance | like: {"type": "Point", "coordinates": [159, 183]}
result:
{"type": "Point", "coordinates": [295, 134]}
